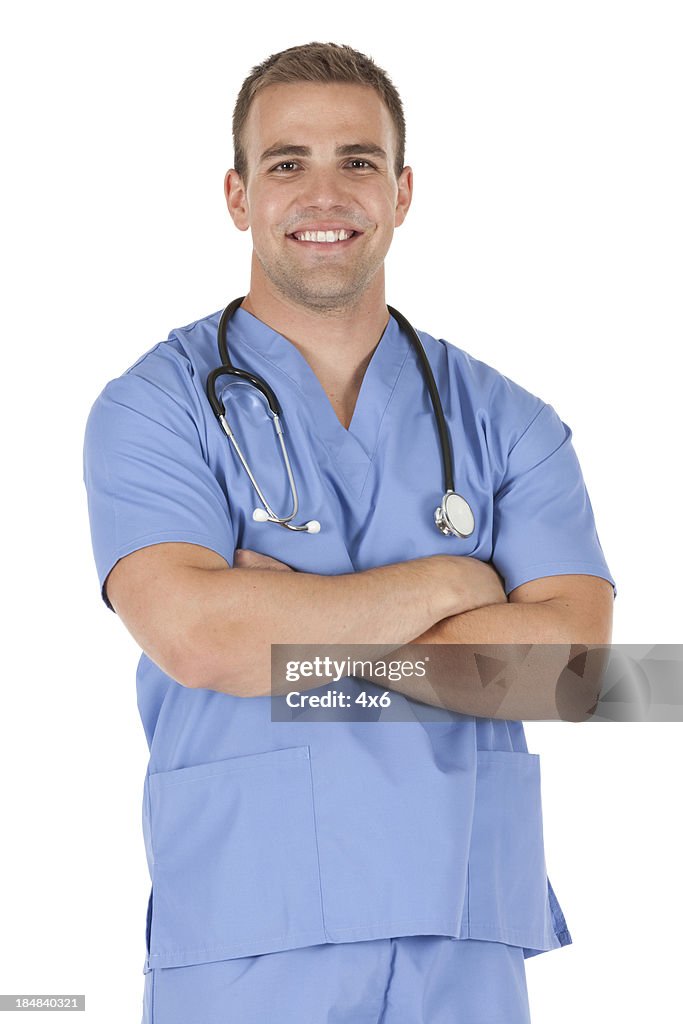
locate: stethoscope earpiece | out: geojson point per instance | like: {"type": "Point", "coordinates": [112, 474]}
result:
{"type": "Point", "coordinates": [453, 517]}
{"type": "Point", "coordinates": [260, 515]}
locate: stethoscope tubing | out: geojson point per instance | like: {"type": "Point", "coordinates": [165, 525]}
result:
{"type": "Point", "coordinates": [445, 519]}
{"type": "Point", "coordinates": [444, 438]}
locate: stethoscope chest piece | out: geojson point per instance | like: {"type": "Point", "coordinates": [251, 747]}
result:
{"type": "Point", "coordinates": [454, 516]}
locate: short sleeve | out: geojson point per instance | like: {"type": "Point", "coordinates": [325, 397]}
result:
{"type": "Point", "coordinates": [543, 522]}
{"type": "Point", "coordinates": [145, 473]}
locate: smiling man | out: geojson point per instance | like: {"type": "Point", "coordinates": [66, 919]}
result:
{"type": "Point", "coordinates": [322, 215]}
{"type": "Point", "coordinates": [366, 871]}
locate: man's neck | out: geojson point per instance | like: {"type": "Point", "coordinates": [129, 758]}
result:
{"type": "Point", "coordinates": [337, 345]}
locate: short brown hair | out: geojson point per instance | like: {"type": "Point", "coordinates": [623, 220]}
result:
{"type": "Point", "coordinates": [317, 62]}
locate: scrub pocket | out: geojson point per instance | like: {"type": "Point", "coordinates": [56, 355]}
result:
{"type": "Point", "coordinates": [235, 862]}
{"type": "Point", "coordinates": [508, 887]}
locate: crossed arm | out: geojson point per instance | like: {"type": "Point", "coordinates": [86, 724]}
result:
{"type": "Point", "coordinates": [211, 626]}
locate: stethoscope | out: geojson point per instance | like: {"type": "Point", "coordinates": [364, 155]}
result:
{"type": "Point", "coordinates": [453, 517]}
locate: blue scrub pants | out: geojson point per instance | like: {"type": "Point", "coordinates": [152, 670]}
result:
{"type": "Point", "coordinates": [421, 979]}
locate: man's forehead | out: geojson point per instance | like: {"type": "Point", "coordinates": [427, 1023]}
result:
{"type": "Point", "coordinates": [315, 108]}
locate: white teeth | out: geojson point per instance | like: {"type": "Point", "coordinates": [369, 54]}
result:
{"type": "Point", "coordinates": [323, 236]}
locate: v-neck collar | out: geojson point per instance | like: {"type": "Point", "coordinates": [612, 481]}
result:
{"type": "Point", "coordinates": [351, 449]}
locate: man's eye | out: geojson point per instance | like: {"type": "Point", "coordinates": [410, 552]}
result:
{"type": "Point", "coordinates": [286, 165]}
{"type": "Point", "coordinates": [359, 162]}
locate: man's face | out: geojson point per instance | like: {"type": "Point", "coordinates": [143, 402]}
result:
{"type": "Point", "coordinates": [320, 161]}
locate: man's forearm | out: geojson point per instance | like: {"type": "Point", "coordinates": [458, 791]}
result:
{"type": "Point", "coordinates": [507, 661]}
{"type": "Point", "coordinates": [236, 614]}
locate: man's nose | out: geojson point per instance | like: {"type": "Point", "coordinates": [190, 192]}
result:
{"type": "Point", "coordinates": [325, 187]}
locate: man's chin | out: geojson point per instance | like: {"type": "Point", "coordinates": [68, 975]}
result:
{"type": "Point", "coordinates": [322, 297]}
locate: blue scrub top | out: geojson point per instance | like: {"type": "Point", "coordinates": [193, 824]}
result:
{"type": "Point", "coordinates": [263, 835]}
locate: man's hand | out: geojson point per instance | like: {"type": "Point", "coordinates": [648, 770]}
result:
{"type": "Point", "coordinates": [545, 649]}
{"type": "Point", "coordinates": [482, 579]}
{"type": "Point", "coordinates": [246, 559]}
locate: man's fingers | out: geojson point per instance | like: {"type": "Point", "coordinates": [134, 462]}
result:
{"type": "Point", "coordinates": [245, 559]}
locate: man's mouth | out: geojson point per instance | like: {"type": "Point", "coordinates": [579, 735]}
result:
{"type": "Point", "coordinates": [333, 236]}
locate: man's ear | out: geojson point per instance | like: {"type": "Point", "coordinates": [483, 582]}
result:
{"type": "Point", "coordinates": [236, 198]}
{"type": "Point", "coordinates": [405, 195]}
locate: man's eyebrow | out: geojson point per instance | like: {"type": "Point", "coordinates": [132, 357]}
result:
{"type": "Point", "coordinates": [362, 149]}
{"type": "Point", "coordinates": [282, 149]}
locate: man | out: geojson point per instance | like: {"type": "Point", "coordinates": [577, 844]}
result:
{"type": "Point", "coordinates": [309, 871]}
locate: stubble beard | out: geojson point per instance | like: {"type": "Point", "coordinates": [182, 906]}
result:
{"type": "Point", "coordinates": [324, 292]}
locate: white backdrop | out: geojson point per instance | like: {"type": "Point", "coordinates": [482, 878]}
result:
{"type": "Point", "coordinates": [544, 238]}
